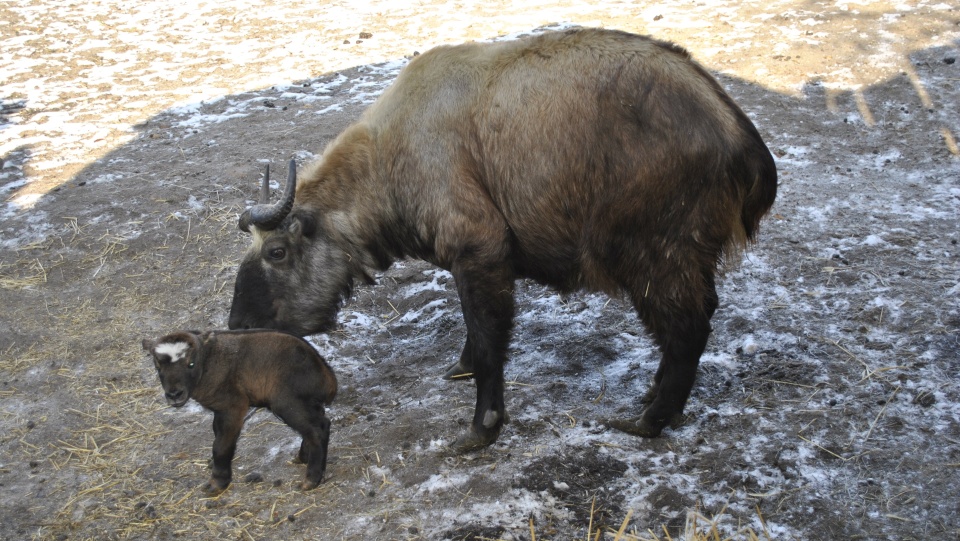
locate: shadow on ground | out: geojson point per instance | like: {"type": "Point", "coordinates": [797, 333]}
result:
{"type": "Point", "coordinates": [829, 377]}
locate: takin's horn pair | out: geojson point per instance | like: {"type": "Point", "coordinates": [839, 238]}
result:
{"type": "Point", "coordinates": [268, 216]}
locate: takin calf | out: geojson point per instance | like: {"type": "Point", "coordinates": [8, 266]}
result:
{"type": "Point", "coordinates": [585, 159]}
{"type": "Point", "coordinates": [229, 372]}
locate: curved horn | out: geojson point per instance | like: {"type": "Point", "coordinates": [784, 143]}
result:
{"type": "Point", "coordinates": [264, 215]}
{"type": "Point", "coordinates": [265, 187]}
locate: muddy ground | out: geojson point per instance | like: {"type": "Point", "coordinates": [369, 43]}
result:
{"type": "Point", "coordinates": [827, 405]}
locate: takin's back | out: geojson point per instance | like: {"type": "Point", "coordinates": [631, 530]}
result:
{"type": "Point", "coordinates": [574, 138]}
{"type": "Point", "coordinates": [570, 151]}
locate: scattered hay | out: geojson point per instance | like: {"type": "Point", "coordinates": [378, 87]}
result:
{"type": "Point", "coordinates": [31, 273]}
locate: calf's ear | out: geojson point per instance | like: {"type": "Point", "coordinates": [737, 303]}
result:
{"type": "Point", "coordinates": [147, 344]}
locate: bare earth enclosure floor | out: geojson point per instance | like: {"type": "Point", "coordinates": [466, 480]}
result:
{"type": "Point", "coordinates": [827, 405]}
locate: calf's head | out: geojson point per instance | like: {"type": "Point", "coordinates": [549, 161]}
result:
{"type": "Point", "coordinates": [176, 357]}
{"type": "Point", "coordinates": [293, 277]}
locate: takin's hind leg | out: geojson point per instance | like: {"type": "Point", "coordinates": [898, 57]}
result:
{"type": "Point", "coordinates": [681, 335]}
{"type": "Point", "coordinates": [711, 301]}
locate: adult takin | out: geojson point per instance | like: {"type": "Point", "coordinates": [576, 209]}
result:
{"type": "Point", "coordinates": [229, 372]}
{"type": "Point", "coordinates": [583, 159]}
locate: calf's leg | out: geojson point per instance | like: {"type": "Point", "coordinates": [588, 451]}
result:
{"type": "Point", "coordinates": [226, 430]}
{"type": "Point", "coordinates": [317, 461]}
{"type": "Point", "coordinates": [306, 416]}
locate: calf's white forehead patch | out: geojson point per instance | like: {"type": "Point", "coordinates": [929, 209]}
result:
{"type": "Point", "coordinates": [176, 350]}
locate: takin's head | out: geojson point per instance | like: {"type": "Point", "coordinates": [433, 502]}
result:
{"type": "Point", "coordinates": [293, 277]}
{"type": "Point", "coordinates": [176, 357]}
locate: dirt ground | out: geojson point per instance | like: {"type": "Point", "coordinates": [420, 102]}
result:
{"type": "Point", "coordinates": [827, 404]}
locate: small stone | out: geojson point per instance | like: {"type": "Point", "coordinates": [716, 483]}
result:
{"type": "Point", "coordinates": [925, 399]}
{"type": "Point", "coordinates": [253, 477]}
{"type": "Point", "coordinates": [149, 511]}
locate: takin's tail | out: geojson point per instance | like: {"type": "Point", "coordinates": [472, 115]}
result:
{"type": "Point", "coordinates": [754, 171]}
{"type": "Point", "coordinates": [759, 197]}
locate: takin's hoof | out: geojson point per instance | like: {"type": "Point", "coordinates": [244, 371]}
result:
{"type": "Point", "coordinates": [644, 427]}
{"type": "Point", "coordinates": [308, 485]}
{"type": "Point", "coordinates": [458, 372]}
{"type": "Point", "coordinates": [472, 441]}
{"type": "Point", "coordinates": [213, 487]}
{"type": "Point", "coordinates": [635, 426]}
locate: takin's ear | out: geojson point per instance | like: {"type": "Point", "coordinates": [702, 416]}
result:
{"type": "Point", "coordinates": [303, 225]}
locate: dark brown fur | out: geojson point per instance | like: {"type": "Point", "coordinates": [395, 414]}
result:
{"type": "Point", "coordinates": [229, 372]}
{"type": "Point", "coordinates": [584, 159]}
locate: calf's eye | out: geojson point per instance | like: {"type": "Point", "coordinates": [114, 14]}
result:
{"type": "Point", "coordinates": [277, 254]}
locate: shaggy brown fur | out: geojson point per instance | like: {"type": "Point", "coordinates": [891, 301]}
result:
{"type": "Point", "coordinates": [229, 372]}
{"type": "Point", "coordinates": [583, 159]}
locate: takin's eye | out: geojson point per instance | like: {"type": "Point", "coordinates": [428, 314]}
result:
{"type": "Point", "coordinates": [276, 254]}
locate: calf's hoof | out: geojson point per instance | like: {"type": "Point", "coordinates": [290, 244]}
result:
{"type": "Point", "coordinates": [458, 372]}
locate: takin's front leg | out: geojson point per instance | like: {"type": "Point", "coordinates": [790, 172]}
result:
{"type": "Point", "coordinates": [226, 431]}
{"type": "Point", "coordinates": [486, 297]}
